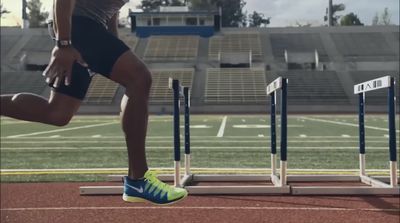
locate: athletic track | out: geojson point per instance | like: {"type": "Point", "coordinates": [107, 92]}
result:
{"type": "Point", "coordinates": [61, 203]}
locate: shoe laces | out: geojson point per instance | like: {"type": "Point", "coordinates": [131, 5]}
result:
{"type": "Point", "coordinates": [163, 187]}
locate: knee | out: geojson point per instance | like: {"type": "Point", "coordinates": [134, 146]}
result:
{"type": "Point", "coordinates": [59, 118]}
{"type": "Point", "coordinates": [145, 79]}
{"type": "Point", "coordinates": [141, 83]}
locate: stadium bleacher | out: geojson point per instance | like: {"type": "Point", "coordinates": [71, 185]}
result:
{"type": "Point", "coordinates": [101, 91]}
{"type": "Point", "coordinates": [363, 46]}
{"type": "Point", "coordinates": [172, 48]}
{"type": "Point", "coordinates": [7, 42]}
{"type": "Point", "coordinates": [160, 92]}
{"type": "Point", "coordinates": [235, 86]}
{"type": "Point", "coordinates": [297, 42]}
{"type": "Point", "coordinates": [244, 42]}
{"type": "Point", "coordinates": [129, 39]}
{"type": "Point", "coordinates": [315, 88]}
{"type": "Point", "coordinates": [26, 81]}
{"type": "Point", "coordinates": [360, 53]}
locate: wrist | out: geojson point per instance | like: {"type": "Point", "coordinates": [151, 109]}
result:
{"type": "Point", "coordinates": [62, 43]}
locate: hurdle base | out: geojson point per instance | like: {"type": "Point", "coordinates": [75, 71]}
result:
{"type": "Point", "coordinates": [350, 190]}
{"type": "Point", "coordinates": [194, 189]}
{"type": "Point", "coordinates": [382, 188]}
{"type": "Point", "coordinates": [371, 186]}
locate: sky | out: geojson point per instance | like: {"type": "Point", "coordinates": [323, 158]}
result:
{"type": "Point", "coordinates": [282, 12]}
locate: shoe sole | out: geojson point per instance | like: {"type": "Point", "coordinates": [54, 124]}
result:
{"type": "Point", "coordinates": [142, 200]}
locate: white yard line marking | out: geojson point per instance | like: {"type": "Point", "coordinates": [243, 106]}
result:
{"type": "Point", "coordinates": [347, 124]}
{"type": "Point", "coordinates": [255, 208]}
{"type": "Point", "coordinates": [386, 136]}
{"type": "Point", "coordinates": [345, 136]}
{"type": "Point", "coordinates": [198, 126]}
{"type": "Point", "coordinates": [62, 130]}
{"type": "Point", "coordinates": [54, 136]}
{"type": "Point", "coordinates": [303, 136]}
{"type": "Point", "coordinates": [96, 136]}
{"type": "Point", "coordinates": [193, 147]}
{"type": "Point", "coordinates": [222, 127]}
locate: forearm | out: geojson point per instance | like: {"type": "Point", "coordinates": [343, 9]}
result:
{"type": "Point", "coordinates": [62, 18]}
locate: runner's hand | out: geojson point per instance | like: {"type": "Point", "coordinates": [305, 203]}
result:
{"type": "Point", "coordinates": [60, 66]}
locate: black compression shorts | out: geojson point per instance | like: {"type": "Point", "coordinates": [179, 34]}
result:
{"type": "Point", "coordinates": [100, 50]}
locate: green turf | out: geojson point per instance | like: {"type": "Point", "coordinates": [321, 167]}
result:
{"type": "Point", "coordinates": [98, 143]}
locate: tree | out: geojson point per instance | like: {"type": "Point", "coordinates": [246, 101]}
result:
{"type": "Point", "coordinates": [375, 20]}
{"type": "Point", "coordinates": [335, 9]}
{"type": "Point", "coordinates": [258, 19]}
{"type": "Point", "coordinates": [36, 17]}
{"type": "Point", "coordinates": [232, 10]}
{"type": "Point", "coordinates": [384, 19]}
{"type": "Point", "coordinates": [350, 19]}
{"type": "Point", "coordinates": [3, 10]}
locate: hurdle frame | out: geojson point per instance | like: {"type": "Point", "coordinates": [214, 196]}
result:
{"type": "Point", "coordinates": [279, 185]}
{"type": "Point", "coordinates": [282, 183]}
{"type": "Point", "coordinates": [373, 185]}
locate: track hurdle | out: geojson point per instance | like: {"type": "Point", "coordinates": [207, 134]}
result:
{"type": "Point", "coordinates": [274, 184]}
{"type": "Point", "coordinates": [373, 186]}
{"type": "Point", "coordinates": [178, 92]}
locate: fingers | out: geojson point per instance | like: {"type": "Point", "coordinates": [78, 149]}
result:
{"type": "Point", "coordinates": [56, 82]}
{"type": "Point", "coordinates": [80, 60]}
{"type": "Point", "coordinates": [67, 74]}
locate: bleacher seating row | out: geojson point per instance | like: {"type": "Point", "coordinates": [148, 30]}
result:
{"type": "Point", "coordinates": [249, 42]}
{"type": "Point", "coordinates": [314, 87]}
{"type": "Point", "coordinates": [160, 92]}
{"type": "Point", "coordinates": [103, 90]}
{"type": "Point", "coordinates": [172, 48]}
{"type": "Point", "coordinates": [223, 86]}
{"type": "Point", "coordinates": [235, 85]}
{"type": "Point", "coordinates": [27, 81]}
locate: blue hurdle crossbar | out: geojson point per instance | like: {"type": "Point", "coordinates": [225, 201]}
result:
{"type": "Point", "coordinates": [278, 84]}
{"type": "Point", "coordinates": [360, 89]}
{"type": "Point", "coordinates": [178, 92]}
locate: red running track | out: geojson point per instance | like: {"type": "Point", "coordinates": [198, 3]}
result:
{"type": "Point", "coordinates": [61, 203]}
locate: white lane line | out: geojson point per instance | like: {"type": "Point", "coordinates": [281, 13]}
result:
{"type": "Point", "coordinates": [96, 136]}
{"type": "Point", "coordinates": [194, 147]}
{"type": "Point", "coordinates": [255, 208]}
{"type": "Point", "coordinates": [303, 136]}
{"type": "Point", "coordinates": [198, 126]}
{"type": "Point", "coordinates": [263, 126]}
{"type": "Point", "coordinates": [196, 168]}
{"type": "Point", "coordinates": [62, 130]}
{"type": "Point", "coordinates": [54, 136]}
{"type": "Point", "coordinates": [91, 141]}
{"type": "Point", "coordinates": [347, 124]}
{"type": "Point", "coordinates": [222, 127]}
{"type": "Point", "coordinates": [170, 137]}
{"type": "Point", "coordinates": [345, 136]}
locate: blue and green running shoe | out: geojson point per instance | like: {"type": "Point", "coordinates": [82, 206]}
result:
{"type": "Point", "coordinates": [152, 190]}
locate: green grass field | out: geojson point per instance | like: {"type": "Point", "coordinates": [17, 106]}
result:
{"type": "Point", "coordinates": [316, 142]}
